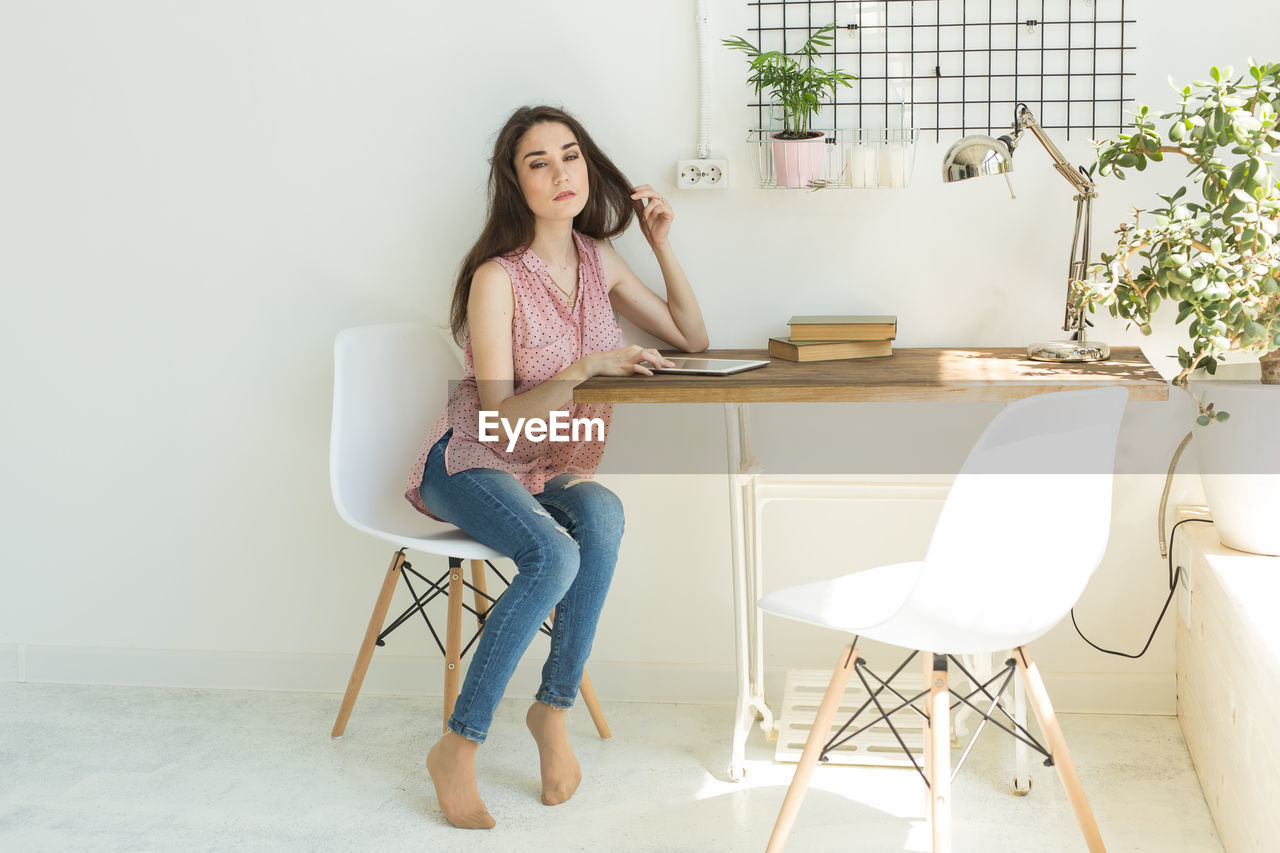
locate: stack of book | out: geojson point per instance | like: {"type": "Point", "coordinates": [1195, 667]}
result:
{"type": "Point", "coordinates": [827, 338]}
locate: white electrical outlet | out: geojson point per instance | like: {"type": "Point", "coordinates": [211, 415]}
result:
{"type": "Point", "coordinates": [688, 174]}
{"type": "Point", "coordinates": [702, 174]}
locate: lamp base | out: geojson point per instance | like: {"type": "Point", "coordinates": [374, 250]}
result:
{"type": "Point", "coordinates": [1068, 351]}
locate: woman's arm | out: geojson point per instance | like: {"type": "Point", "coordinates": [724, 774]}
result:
{"type": "Point", "coordinates": [490, 308]}
{"type": "Point", "coordinates": [677, 319]}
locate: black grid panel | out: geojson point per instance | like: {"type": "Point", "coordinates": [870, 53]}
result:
{"type": "Point", "coordinates": [962, 65]}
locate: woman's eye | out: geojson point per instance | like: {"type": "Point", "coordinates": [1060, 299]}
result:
{"type": "Point", "coordinates": [541, 163]}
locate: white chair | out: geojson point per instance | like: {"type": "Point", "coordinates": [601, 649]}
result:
{"type": "Point", "coordinates": [1022, 531]}
{"type": "Point", "coordinates": [389, 383]}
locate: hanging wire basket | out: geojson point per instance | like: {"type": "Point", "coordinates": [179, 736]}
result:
{"type": "Point", "coordinates": [866, 158]}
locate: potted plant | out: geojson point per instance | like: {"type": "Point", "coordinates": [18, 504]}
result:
{"type": "Point", "coordinates": [797, 85]}
{"type": "Point", "coordinates": [1214, 253]}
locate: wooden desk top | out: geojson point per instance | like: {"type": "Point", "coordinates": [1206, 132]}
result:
{"type": "Point", "coordinates": [909, 375]}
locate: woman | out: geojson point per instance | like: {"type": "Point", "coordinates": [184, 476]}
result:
{"type": "Point", "coordinates": [534, 299]}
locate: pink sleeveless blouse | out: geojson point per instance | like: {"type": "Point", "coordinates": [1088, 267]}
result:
{"type": "Point", "coordinates": [546, 337]}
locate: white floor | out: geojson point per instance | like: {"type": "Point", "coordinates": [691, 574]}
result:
{"type": "Point", "coordinates": [140, 769]}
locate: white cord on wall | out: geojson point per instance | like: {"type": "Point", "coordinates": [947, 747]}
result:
{"type": "Point", "coordinates": [703, 20]}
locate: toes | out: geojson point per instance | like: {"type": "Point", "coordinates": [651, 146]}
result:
{"type": "Point", "coordinates": [473, 817]}
{"type": "Point", "coordinates": [478, 819]}
{"type": "Point", "coordinates": [557, 796]}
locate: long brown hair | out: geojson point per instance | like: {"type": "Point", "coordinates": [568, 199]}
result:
{"type": "Point", "coordinates": [508, 227]}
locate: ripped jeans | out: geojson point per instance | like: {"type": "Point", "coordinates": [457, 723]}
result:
{"type": "Point", "coordinates": [564, 543]}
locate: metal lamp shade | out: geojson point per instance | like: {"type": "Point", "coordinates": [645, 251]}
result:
{"type": "Point", "coordinates": [975, 156]}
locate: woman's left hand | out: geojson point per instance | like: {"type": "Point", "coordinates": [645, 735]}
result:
{"type": "Point", "coordinates": [655, 217]}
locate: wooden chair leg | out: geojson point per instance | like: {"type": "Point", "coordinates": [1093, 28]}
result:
{"type": "Point", "coordinates": [477, 581]}
{"type": "Point", "coordinates": [812, 749]}
{"type": "Point", "coordinates": [376, 621]}
{"type": "Point", "coordinates": [589, 697]}
{"type": "Point", "coordinates": [1039, 699]}
{"type": "Point", "coordinates": [453, 639]}
{"type": "Point", "coordinates": [939, 740]}
{"type": "Point", "coordinates": [593, 706]}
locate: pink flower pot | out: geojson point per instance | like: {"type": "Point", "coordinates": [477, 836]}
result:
{"type": "Point", "coordinates": [797, 162]}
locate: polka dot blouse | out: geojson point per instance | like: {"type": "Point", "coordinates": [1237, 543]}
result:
{"type": "Point", "coordinates": [547, 336]}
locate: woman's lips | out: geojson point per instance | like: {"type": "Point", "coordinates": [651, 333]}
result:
{"type": "Point", "coordinates": [564, 195]}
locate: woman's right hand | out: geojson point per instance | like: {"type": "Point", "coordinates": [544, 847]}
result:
{"type": "Point", "coordinates": [624, 361]}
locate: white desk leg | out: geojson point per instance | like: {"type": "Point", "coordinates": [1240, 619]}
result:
{"type": "Point", "coordinates": [980, 666]}
{"type": "Point", "coordinates": [755, 566]}
{"type": "Point", "coordinates": [1022, 771]}
{"type": "Point", "coordinates": [747, 636]}
{"type": "Point", "coordinates": [753, 530]}
{"type": "Point", "coordinates": [983, 666]}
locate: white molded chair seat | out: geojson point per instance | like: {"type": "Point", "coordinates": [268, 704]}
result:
{"type": "Point", "coordinates": [854, 603]}
{"type": "Point", "coordinates": [408, 528]}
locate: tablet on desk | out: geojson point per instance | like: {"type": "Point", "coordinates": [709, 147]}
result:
{"type": "Point", "coordinates": [708, 366]}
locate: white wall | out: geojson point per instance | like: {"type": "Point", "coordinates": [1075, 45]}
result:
{"type": "Point", "coordinates": [194, 198]}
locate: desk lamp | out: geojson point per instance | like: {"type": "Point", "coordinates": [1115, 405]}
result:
{"type": "Point", "coordinates": [982, 155]}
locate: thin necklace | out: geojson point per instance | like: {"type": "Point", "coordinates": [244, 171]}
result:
{"type": "Point", "coordinates": [569, 295]}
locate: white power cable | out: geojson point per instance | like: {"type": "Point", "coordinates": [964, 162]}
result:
{"type": "Point", "coordinates": [703, 20]}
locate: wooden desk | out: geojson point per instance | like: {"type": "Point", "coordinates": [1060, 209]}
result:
{"type": "Point", "coordinates": [909, 375]}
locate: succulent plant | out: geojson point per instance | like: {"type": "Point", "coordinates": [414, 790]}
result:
{"type": "Point", "coordinates": [1211, 249]}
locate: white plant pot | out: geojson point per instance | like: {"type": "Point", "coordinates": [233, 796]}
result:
{"type": "Point", "coordinates": [1240, 459]}
{"type": "Point", "coordinates": [798, 162]}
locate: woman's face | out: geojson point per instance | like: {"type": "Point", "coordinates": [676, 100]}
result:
{"type": "Point", "coordinates": [552, 171]}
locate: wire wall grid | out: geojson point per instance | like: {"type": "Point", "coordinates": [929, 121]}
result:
{"type": "Point", "coordinates": [962, 65]}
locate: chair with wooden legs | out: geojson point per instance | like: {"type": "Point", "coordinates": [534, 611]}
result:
{"type": "Point", "coordinates": [1022, 530]}
{"type": "Point", "coordinates": [388, 382]}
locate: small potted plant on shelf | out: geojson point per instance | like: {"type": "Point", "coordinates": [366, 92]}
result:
{"type": "Point", "coordinates": [797, 85]}
{"type": "Point", "coordinates": [1214, 253]}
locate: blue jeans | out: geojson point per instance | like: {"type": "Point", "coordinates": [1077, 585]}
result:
{"type": "Point", "coordinates": [564, 543]}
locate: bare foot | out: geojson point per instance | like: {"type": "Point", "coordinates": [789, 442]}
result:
{"type": "Point", "coordinates": [560, 771]}
{"type": "Point", "coordinates": [452, 765]}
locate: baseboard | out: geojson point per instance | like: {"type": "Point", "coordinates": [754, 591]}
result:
{"type": "Point", "coordinates": [1147, 693]}
{"type": "Point", "coordinates": [416, 675]}
{"type": "Point", "coordinates": [419, 675]}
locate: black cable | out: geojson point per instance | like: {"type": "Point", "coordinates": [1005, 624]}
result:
{"type": "Point", "coordinates": [1174, 575]}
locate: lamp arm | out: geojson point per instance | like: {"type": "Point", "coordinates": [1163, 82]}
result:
{"type": "Point", "coordinates": [1074, 319]}
{"type": "Point", "coordinates": [1027, 121]}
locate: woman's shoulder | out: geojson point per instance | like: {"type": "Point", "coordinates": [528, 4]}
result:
{"type": "Point", "coordinates": [492, 279]}
{"type": "Point", "coordinates": [609, 258]}
{"type": "Point", "coordinates": [594, 243]}
{"type": "Point", "coordinates": [495, 267]}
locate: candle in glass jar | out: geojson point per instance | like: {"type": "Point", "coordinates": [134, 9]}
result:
{"type": "Point", "coordinates": [893, 166]}
{"type": "Point", "coordinates": [861, 165]}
